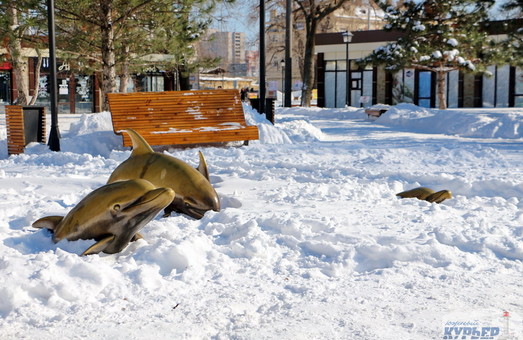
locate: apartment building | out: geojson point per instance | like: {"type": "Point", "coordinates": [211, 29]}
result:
{"type": "Point", "coordinates": [229, 47]}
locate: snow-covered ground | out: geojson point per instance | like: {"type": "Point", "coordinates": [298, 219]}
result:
{"type": "Point", "coordinates": [311, 242]}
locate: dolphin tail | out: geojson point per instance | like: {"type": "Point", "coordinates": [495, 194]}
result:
{"type": "Point", "coordinates": [48, 222]}
{"type": "Point", "coordinates": [99, 246]}
{"type": "Point", "coordinates": [202, 167]}
{"type": "Point", "coordinates": [140, 145]}
{"type": "Point", "coordinates": [439, 196]}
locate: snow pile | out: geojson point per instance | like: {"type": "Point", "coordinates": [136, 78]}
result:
{"type": "Point", "coordinates": [297, 131]}
{"type": "Point", "coordinates": [311, 240]}
{"type": "Point", "coordinates": [477, 123]}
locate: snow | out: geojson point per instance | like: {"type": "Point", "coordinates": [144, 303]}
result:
{"type": "Point", "coordinates": [452, 42]}
{"type": "Point", "coordinates": [418, 27]}
{"type": "Point", "coordinates": [311, 241]}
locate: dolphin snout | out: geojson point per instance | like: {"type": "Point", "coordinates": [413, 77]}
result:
{"type": "Point", "coordinates": [215, 203]}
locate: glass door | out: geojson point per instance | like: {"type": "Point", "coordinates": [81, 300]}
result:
{"type": "Point", "coordinates": [424, 88]}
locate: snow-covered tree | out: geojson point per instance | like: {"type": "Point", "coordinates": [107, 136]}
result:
{"type": "Point", "coordinates": [514, 47]}
{"type": "Point", "coordinates": [438, 36]}
{"type": "Point", "coordinates": [21, 23]}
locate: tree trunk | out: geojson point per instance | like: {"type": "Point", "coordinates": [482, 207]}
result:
{"type": "Point", "coordinates": [108, 55]}
{"type": "Point", "coordinates": [442, 90]}
{"type": "Point", "coordinates": [308, 66]}
{"type": "Point", "coordinates": [183, 78]}
{"type": "Point", "coordinates": [37, 77]}
{"type": "Point", "coordinates": [124, 72]}
{"type": "Point", "coordinates": [19, 63]}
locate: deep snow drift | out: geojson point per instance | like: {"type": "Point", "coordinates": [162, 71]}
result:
{"type": "Point", "coordinates": [311, 241]}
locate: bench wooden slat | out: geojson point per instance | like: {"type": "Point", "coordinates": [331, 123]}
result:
{"type": "Point", "coordinates": [181, 117]}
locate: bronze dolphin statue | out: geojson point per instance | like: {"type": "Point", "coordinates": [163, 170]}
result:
{"type": "Point", "coordinates": [112, 215]}
{"type": "Point", "coordinates": [194, 193]}
{"type": "Point", "coordinates": [426, 194]}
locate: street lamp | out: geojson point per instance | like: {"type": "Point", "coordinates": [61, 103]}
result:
{"type": "Point", "coordinates": [347, 38]}
{"type": "Point", "coordinates": [261, 107]}
{"type": "Point", "coordinates": [288, 57]}
{"type": "Point", "coordinates": [54, 136]}
{"type": "Point", "coordinates": [282, 65]}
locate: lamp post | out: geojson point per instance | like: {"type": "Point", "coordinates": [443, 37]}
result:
{"type": "Point", "coordinates": [347, 38]}
{"type": "Point", "coordinates": [261, 108]}
{"type": "Point", "coordinates": [54, 135]}
{"type": "Point", "coordinates": [288, 57]}
{"type": "Point", "coordinates": [282, 65]}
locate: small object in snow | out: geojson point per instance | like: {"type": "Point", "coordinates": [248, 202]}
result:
{"type": "Point", "coordinates": [426, 194]}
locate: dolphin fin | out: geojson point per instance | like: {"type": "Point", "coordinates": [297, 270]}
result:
{"type": "Point", "coordinates": [140, 145]}
{"type": "Point", "coordinates": [99, 246]}
{"type": "Point", "coordinates": [48, 222]}
{"type": "Point", "coordinates": [202, 167]}
{"type": "Point", "coordinates": [137, 237]}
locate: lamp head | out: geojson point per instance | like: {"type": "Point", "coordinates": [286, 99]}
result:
{"type": "Point", "coordinates": [347, 36]}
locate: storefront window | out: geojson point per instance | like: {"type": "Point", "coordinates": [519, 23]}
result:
{"type": "Point", "coordinates": [452, 89]}
{"type": "Point", "coordinates": [83, 94]}
{"type": "Point", "coordinates": [403, 87]}
{"type": "Point", "coordinates": [335, 83]}
{"type": "Point", "coordinates": [153, 83]}
{"type": "Point", "coordinates": [495, 87]}
{"type": "Point", "coordinates": [518, 88]}
{"type": "Point", "coordinates": [5, 91]}
{"type": "Point", "coordinates": [43, 98]}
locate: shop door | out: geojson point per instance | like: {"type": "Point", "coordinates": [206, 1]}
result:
{"type": "Point", "coordinates": [5, 90]}
{"type": "Point", "coordinates": [424, 89]}
{"type": "Point", "coordinates": [361, 89]}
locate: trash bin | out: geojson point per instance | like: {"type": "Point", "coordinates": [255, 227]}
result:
{"type": "Point", "coordinates": [269, 107]}
{"type": "Point", "coordinates": [25, 124]}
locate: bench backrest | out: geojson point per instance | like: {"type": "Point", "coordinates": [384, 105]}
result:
{"type": "Point", "coordinates": [183, 110]}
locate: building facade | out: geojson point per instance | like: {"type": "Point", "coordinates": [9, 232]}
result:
{"type": "Point", "coordinates": [355, 16]}
{"type": "Point", "coordinates": [339, 86]}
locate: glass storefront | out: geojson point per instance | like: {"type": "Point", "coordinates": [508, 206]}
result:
{"type": "Point", "coordinates": [360, 84]}
{"type": "Point", "coordinates": [403, 87]}
{"type": "Point", "coordinates": [83, 95]}
{"type": "Point", "coordinates": [518, 88]}
{"type": "Point", "coordinates": [75, 92]}
{"type": "Point", "coordinates": [495, 91]}
{"type": "Point", "coordinates": [5, 88]}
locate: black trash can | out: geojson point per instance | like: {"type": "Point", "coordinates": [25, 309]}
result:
{"type": "Point", "coordinates": [34, 120]}
{"type": "Point", "coordinates": [269, 107]}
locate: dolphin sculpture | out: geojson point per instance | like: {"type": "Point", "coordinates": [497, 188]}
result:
{"type": "Point", "coordinates": [426, 194]}
{"type": "Point", "coordinates": [112, 215]}
{"type": "Point", "coordinates": [194, 192]}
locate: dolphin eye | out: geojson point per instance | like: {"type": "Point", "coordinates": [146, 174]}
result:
{"type": "Point", "coordinates": [116, 207]}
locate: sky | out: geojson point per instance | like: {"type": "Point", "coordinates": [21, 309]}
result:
{"type": "Point", "coordinates": [235, 18]}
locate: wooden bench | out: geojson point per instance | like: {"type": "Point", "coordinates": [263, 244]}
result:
{"type": "Point", "coordinates": [182, 117]}
{"type": "Point", "coordinates": [376, 110]}
{"type": "Point", "coordinates": [24, 124]}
